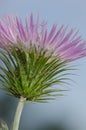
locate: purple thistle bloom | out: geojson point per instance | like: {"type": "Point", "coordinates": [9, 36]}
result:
{"type": "Point", "coordinates": [36, 59]}
{"type": "Point", "coordinates": [67, 45]}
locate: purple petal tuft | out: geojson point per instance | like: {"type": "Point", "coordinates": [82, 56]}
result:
{"type": "Point", "coordinates": [58, 41]}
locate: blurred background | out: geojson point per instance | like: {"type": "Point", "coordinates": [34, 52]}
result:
{"type": "Point", "coordinates": [68, 112]}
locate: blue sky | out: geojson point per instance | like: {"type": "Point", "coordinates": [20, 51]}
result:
{"type": "Point", "coordinates": [67, 12]}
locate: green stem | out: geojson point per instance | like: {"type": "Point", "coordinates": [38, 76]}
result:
{"type": "Point", "coordinates": [18, 113]}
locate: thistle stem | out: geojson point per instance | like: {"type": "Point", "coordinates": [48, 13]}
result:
{"type": "Point", "coordinates": [18, 113]}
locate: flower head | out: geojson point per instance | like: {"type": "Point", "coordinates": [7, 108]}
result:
{"type": "Point", "coordinates": [36, 59]}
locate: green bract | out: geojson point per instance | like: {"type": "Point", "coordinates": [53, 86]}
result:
{"type": "Point", "coordinates": [3, 125]}
{"type": "Point", "coordinates": [31, 74]}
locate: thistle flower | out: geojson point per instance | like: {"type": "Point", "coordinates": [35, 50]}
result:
{"type": "Point", "coordinates": [34, 58]}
